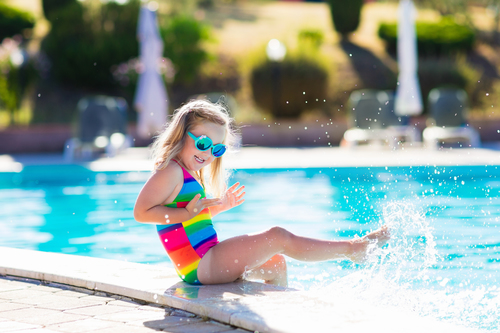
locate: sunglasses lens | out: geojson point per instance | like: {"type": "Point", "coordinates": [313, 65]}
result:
{"type": "Point", "coordinates": [203, 143]}
{"type": "Point", "coordinates": [219, 150]}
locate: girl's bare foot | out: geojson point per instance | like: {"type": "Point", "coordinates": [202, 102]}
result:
{"type": "Point", "coordinates": [381, 235]}
{"type": "Point", "coordinates": [360, 245]}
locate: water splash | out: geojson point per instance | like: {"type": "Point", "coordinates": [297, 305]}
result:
{"type": "Point", "coordinates": [406, 274]}
{"type": "Point", "coordinates": [412, 248]}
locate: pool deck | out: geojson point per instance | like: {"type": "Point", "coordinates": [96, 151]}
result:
{"type": "Point", "coordinates": [67, 293]}
{"type": "Point", "coordinates": [137, 159]}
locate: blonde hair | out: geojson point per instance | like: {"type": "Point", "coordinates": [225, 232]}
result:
{"type": "Point", "coordinates": [171, 141]}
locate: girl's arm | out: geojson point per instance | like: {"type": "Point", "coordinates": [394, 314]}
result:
{"type": "Point", "coordinates": [232, 198]}
{"type": "Point", "coordinates": [161, 188]}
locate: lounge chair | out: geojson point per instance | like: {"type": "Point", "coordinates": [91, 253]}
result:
{"type": "Point", "coordinates": [102, 127]}
{"type": "Point", "coordinates": [373, 120]}
{"type": "Point", "coordinates": [447, 124]}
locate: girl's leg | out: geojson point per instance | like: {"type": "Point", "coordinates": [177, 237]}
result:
{"type": "Point", "coordinates": [229, 259]}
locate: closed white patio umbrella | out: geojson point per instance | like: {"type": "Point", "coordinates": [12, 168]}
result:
{"type": "Point", "coordinates": [408, 99]}
{"type": "Point", "coordinates": [151, 95]}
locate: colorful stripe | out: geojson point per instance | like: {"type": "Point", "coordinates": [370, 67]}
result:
{"type": "Point", "coordinates": [187, 242]}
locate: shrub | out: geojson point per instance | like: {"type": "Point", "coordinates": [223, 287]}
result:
{"type": "Point", "coordinates": [52, 6]}
{"type": "Point", "coordinates": [289, 87]}
{"type": "Point", "coordinates": [15, 77]}
{"type": "Point", "coordinates": [8, 98]}
{"type": "Point", "coordinates": [14, 21]}
{"type": "Point", "coordinates": [345, 15]}
{"type": "Point", "coordinates": [433, 39]}
{"type": "Point", "coordinates": [183, 37]}
{"type": "Point", "coordinates": [82, 52]}
{"type": "Point", "coordinates": [311, 36]}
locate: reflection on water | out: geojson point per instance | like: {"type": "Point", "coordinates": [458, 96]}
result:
{"type": "Point", "coordinates": [443, 260]}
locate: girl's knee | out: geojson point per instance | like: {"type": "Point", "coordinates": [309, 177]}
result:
{"type": "Point", "coordinates": [279, 233]}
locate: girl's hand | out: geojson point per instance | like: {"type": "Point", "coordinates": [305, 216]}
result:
{"type": "Point", "coordinates": [195, 206]}
{"type": "Point", "coordinates": [233, 197]}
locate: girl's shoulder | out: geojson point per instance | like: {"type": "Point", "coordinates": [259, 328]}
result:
{"type": "Point", "coordinates": [172, 172]}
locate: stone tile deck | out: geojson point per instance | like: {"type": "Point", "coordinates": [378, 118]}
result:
{"type": "Point", "coordinates": [82, 294]}
{"type": "Point", "coordinates": [72, 310]}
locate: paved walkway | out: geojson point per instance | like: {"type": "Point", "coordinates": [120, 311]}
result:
{"type": "Point", "coordinates": [244, 304]}
{"type": "Point", "coordinates": [29, 306]}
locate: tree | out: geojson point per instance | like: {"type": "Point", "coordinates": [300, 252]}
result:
{"type": "Point", "coordinates": [345, 15]}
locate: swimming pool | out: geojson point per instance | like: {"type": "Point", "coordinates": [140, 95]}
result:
{"type": "Point", "coordinates": [443, 260]}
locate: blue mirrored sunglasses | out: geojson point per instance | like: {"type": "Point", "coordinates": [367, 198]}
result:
{"type": "Point", "coordinates": [204, 143]}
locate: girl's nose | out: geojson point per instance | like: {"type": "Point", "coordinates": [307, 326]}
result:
{"type": "Point", "coordinates": [207, 154]}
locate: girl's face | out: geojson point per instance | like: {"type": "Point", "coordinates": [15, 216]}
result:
{"type": "Point", "coordinates": [194, 159]}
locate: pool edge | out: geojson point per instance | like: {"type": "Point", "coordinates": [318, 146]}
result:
{"type": "Point", "coordinates": [249, 305]}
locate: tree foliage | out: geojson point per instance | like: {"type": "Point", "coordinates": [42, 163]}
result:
{"type": "Point", "coordinates": [14, 21]}
{"type": "Point", "coordinates": [345, 15]}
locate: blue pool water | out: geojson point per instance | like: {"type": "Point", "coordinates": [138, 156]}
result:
{"type": "Point", "coordinates": [443, 260]}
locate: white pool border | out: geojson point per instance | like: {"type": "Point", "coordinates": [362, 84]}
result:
{"type": "Point", "coordinates": [249, 305]}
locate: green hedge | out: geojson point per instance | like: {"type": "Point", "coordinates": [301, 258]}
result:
{"type": "Point", "coordinates": [14, 21]}
{"type": "Point", "coordinates": [51, 7]}
{"type": "Point", "coordinates": [433, 39]}
{"type": "Point", "coordinates": [81, 54]}
{"type": "Point", "coordinates": [183, 37]}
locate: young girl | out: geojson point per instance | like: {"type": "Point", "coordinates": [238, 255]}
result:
{"type": "Point", "coordinates": [188, 159]}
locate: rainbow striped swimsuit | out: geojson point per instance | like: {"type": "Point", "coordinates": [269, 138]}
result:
{"type": "Point", "coordinates": [187, 242]}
